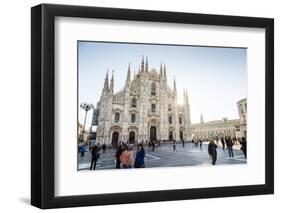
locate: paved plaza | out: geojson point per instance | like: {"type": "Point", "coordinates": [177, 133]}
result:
{"type": "Point", "coordinates": [164, 156]}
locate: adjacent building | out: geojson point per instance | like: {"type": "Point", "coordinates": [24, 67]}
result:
{"type": "Point", "coordinates": [224, 127]}
{"type": "Point", "coordinates": [242, 110]}
{"type": "Point", "coordinates": [216, 129]}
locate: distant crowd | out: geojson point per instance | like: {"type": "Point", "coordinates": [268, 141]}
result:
{"type": "Point", "coordinates": [228, 143]}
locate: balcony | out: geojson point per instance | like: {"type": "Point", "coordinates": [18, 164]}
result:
{"type": "Point", "coordinates": [153, 114]}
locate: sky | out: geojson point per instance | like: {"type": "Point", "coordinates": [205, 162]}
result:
{"type": "Point", "coordinates": [215, 77]}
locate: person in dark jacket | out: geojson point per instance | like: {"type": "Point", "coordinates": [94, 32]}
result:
{"type": "Point", "coordinates": [153, 145]}
{"type": "Point", "coordinates": [200, 144]}
{"type": "Point", "coordinates": [223, 143]}
{"type": "Point", "coordinates": [95, 156]}
{"type": "Point", "coordinates": [212, 150]}
{"type": "Point", "coordinates": [229, 146]}
{"type": "Point", "coordinates": [244, 146]}
{"type": "Point", "coordinates": [174, 146]}
{"type": "Point", "coordinates": [192, 142]}
{"type": "Point", "coordinates": [139, 160]}
{"type": "Point", "coordinates": [119, 151]}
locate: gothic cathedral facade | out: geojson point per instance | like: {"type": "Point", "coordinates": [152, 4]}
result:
{"type": "Point", "coordinates": [146, 109]}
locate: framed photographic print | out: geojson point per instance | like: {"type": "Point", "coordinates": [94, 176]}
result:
{"type": "Point", "coordinates": [140, 106]}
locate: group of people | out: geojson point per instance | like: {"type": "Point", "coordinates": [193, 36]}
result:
{"type": "Point", "coordinates": [228, 142]}
{"type": "Point", "coordinates": [124, 156]}
{"type": "Point", "coordinates": [197, 143]}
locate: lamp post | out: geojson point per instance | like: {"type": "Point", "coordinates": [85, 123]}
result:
{"type": "Point", "coordinates": [225, 120]}
{"type": "Point", "coordinates": [86, 107]}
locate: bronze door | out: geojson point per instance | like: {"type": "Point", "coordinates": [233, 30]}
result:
{"type": "Point", "coordinates": [153, 133]}
{"type": "Point", "coordinates": [115, 137]}
{"type": "Point", "coordinates": [132, 137]}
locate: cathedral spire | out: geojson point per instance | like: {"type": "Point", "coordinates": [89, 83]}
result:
{"type": "Point", "coordinates": [142, 64]}
{"type": "Point", "coordinates": [105, 86]}
{"type": "Point", "coordinates": [128, 80]}
{"type": "Point", "coordinates": [112, 82]}
{"type": "Point", "coordinates": [146, 64]}
{"type": "Point", "coordinates": [175, 86]}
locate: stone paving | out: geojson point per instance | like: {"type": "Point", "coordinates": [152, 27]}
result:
{"type": "Point", "coordinates": [164, 156]}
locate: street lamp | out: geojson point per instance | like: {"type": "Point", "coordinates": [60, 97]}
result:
{"type": "Point", "coordinates": [225, 119]}
{"type": "Point", "coordinates": [86, 107]}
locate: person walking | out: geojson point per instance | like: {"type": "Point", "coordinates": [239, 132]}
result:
{"type": "Point", "coordinates": [126, 157]}
{"type": "Point", "coordinates": [200, 143]}
{"type": "Point", "coordinates": [139, 160]}
{"type": "Point", "coordinates": [212, 150]}
{"type": "Point", "coordinates": [244, 146]}
{"type": "Point", "coordinates": [196, 143]}
{"type": "Point", "coordinates": [119, 152]}
{"type": "Point", "coordinates": [229, 146]}
{"type": "Point", "coordinates": [192, 142]}
{"type": "Point", "coordinates": [183, 143]}
{"type": "Point", "coordinates": [223, 144]}
{"type": "Point", "coordinates": [174, 146]}
{"type": "Point", "coordinates": [95, 156]}
{"type": "Point", "coordinates": [103, 147]}
{"type": "Point", "coordinates": [153, 145]}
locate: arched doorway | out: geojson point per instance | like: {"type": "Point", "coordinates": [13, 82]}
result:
{"type": "Point", "coordinates": [153, 133]}
{"type": "Point", "coordinates": [115, 136]}
{"type": "Point", "coordinates": [181, 135]}
{"type": "Point", "coordinates": [132, 137]}
{"type": "Point", "coordinates": [171, 136]}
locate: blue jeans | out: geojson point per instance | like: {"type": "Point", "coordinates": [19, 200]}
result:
{"type": "Point", "coordinates": [230, 152]}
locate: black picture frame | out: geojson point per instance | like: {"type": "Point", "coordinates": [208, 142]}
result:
{"type": "Point", "coordinates": [43, 105]}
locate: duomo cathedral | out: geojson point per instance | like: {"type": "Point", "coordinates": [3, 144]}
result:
{"type": "Point", "coordinates": [146, 109]}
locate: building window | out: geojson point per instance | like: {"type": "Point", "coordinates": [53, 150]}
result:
{"type": "Point", "coordinates": [117, 117]}
{"type": "Point", "coordinates": [180, 120]}
{"type": "Point", "coordinates": [170, 120]}
{"type": "Point", "coordinates": [134, 103]}
{"type": "Point", "coordinates": [133, 118]}
{"type": "Point", "coordinates": [169, 107]}
{"type": "Point", "coordinates": [153, 88]}
{"type": "Point", "coordinates": [153, 108]}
